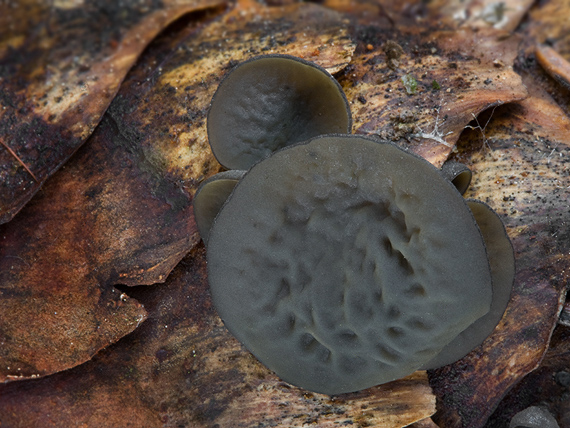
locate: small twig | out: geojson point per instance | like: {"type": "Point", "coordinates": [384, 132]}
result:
{"type": "Point", "coordinates": [20, 161]}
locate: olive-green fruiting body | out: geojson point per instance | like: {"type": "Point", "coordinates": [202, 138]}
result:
{"type": "Point", "coordinates": [459, 175]}
{"type": "Point", "coordinates": [272, 101]}
{"type": "Point", "coordinates": [502, 260]}
{"type": "Point", "coordinates": [210, 197]}
{"type": "Point", "coordinates": [343, 262]}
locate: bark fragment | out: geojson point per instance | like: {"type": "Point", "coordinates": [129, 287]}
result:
{"type": "Point", "coordinates": [61, 66]}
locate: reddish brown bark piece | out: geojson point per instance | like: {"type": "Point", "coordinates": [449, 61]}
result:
{"type": "Point", "coordinates": [548, 386]}
{"type": "Point", "coordinates": [522, 170]}
{"type": "Point", "coordinates": [183, 368]}
{"type": "Point", "coordinates": [554, 64]}
{"type": "Point", "coordinates": [483, 14]}
{"type": "Point", "coordinates": [61, 64]}
{"type": "Point", "coordinates": [109, 216]}
{"type": "Point", "coordinates": [545, 28]}
{"type": "Point", "coordinates": [100, 221]}
{"type": "Point", "coordinates": [449, 14]}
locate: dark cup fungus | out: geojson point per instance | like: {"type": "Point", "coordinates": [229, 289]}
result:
{"type": "Point", "coordinates": [459, 175]}
{"type": "Point", "coordinates": [210, 197]}
{"type": "Point", "coordinates": [342, 263]}
{"type": "Point", "coordinates": [502, 260]}
{"type": "Point", "coordinates": [272, 101]}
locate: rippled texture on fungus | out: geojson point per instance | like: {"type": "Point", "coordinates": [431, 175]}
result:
{"type": "Point", "coordinates": [270, 102]}
{"type": "Point", "coordinates": [343, 263]}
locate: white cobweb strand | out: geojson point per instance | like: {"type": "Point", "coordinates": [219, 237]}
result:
{"type": "Point", "coordinates": [436, 134]}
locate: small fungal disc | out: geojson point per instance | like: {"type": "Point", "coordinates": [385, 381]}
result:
{"type": "Point", "coordinates": [210, 197]}
{"type": "Point", "coordinates": [272, 101]}
{"type": "Point", "coordinates": [502, 261]}
{"type": "Point", "coordinates": [459, 175]}
{"type": "Point", "coordinates": [342, 263]}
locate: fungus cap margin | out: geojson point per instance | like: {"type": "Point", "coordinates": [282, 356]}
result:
{"type": "Point", "coordinates": [459, 175]}
{"type": "Point", "coordinates": [502, 260]}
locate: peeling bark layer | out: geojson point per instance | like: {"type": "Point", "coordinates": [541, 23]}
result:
{"type": "Point", "coordinates": [61, 64]}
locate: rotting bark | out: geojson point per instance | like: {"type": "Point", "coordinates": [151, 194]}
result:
{"type": "Point", "coordinates": [522, 170]}
{"type": "Point", "coordinates": [60, 68]}
{"type": "Point", "coordinates": [456, 79]}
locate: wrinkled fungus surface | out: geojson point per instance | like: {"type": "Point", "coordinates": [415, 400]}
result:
{"type": "Point", "coordinates": [342, 263]}
{"type": "Point", "coordinates": [270, 102]}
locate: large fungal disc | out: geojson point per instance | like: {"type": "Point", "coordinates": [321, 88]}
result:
{"type": "Point", "coordinates": [272, 101]}
{"type": "Point", "coordinates": [210, 197]}
{"type": "Point", "coordinates": [502, 261]}
{"type": "Point", "coordinates": [343, 263]}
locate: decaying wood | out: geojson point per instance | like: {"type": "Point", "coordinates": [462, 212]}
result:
{"type": "Point", "coordinates": [119, 212]}
{"type": "Point", "coordinates": [456, 77]}
{"type": "Point", "coordinates": [424, 423]}
{"type": "Point", "coordinates": [548, 386]}
{"type": "Point", "coordinates": [554, 64]}
{"type": "Point", "coordinates": [183, 368]}
{"type": "Point", "coordinates": [61, 65]}
{"type": "Point", "coordinates": [545, 28]}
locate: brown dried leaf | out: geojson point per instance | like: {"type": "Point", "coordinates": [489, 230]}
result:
{"type": "Point", "coordinates": [546, 26]}
{"type": "Point", "coordinates": [109, 216]}
{"type": "Point", "coordinates": [62, 64]}
{"type": "Point", "coordinates": [547, 386]}
{"type": "Point", "coordinates": [483, 14]}
{"type": "Point", "coordinates": [183, 368]}
{"type": "Point", "coordinates": [424, 423]}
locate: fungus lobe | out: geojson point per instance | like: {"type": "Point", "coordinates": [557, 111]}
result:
{"type": "Point", "coordinates": [210, 198]}
{"type": "Point", "coordinates": [502, 261]}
